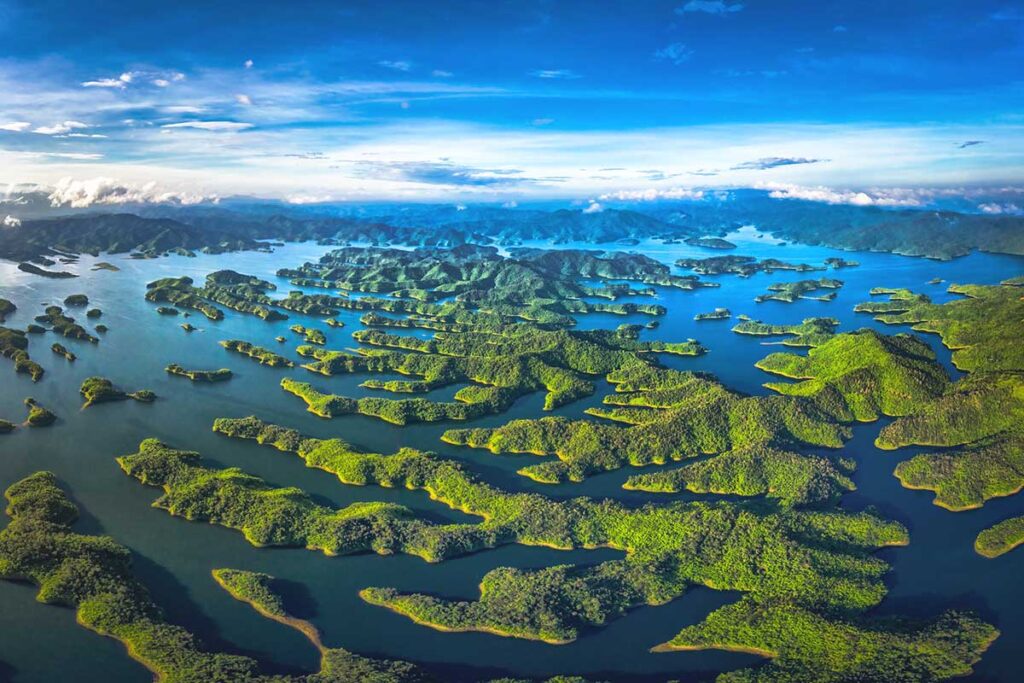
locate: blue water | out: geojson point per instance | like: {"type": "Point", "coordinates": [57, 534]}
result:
{"type": "Point", "coordinates": [42, 643]}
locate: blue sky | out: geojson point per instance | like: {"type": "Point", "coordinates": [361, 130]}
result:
{"type": "Point", "coordinates": [862, 101]}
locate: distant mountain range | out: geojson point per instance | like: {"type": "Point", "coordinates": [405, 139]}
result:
{"type": "Point", "coordinates": [151, 230]}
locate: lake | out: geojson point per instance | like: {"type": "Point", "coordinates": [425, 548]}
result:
{"type": "Point", "coordinates": [174, 557]}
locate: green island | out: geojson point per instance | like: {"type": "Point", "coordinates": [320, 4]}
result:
{"type": "Point", "coordinates": [167, 310]}
{"type": "Point", "coordinates": [744, 266]}
{"type": "Point", "coordinates": [311, 334]}
{"type": "Point", "coordinates": [188, 327]}
{"type": "Point", "coordinates": [33, 269]}
{"type": "Point", "coordinates": [64, 325]}
{"type": "Point", "coordinates": [14, 347]}
{"type": "Point", "coordinates": [101, 390]}
{"type": "Point", "coordinates": [501, 364]}
{"type": "Point", "coordinates": [815, 564]}
{"type": "Point", "coordinates": [6, 427]}
{"type": "Point", "coordinates": [33, 328]}
{"type": "Point", "coordinates": [788, 292]}
{"type": "Point", "coordinates": [709, 242]}
{"type": "Point", "coordinates": [330, 322]}
{"type": "Point", "coordinates": [258, 353]}
{"type": "Point", "coordinates": [717, 314]}
{"type": "Point", "coordinates": [672, 415]}
{"type": "Point", "coordinates": [1000, 538]}
{"type": "Point", "coordinates": [199, 375]}
{"type": "Point", "coordinates": [76, 300]}
{"type": "Point", "coordinates": [105, 265]}
{"type": "Point", "coordinates": [810, 332]}
{"type": "Point", "coordinates": [93, 313]}
{"type": "Point", "coordinates": [38, 415]}
{"type": "Point", "coordinates": [836, 262]}
{"type": "Point", "coordinates": [61, 350]}
{"type": "Point", "coordinates": [7, 307]}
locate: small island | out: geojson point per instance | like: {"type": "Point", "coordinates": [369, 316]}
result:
{"type": "Point", "coordinates": [199, 375]}
{"type": "Point", "coordinates": [101, 390]}
{"type": "Point", "coordinates": [717, 314]}
{"type": "Point", "coordinates": [61, 350]}
{"type": "Point", "coordinates": [264, 356]}
{"type": "Point", "coordinates": [38, 416]}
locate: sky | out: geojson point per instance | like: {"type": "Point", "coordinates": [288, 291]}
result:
{"type": "Point", "coordinates": [851, 102]}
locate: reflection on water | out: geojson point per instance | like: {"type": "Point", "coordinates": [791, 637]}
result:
{"type": "Point", "coordinates": [42, 643]}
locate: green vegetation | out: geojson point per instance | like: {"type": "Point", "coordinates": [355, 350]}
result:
{"type": "Point", "coordinates": [199, 375]}
{"type": "Point", "coordinates": [312, 335]}
{"type": "Point", "coordinates": [788, 292]}
{"type": "Point", "coordinates": [791, 478]}
{"type": "Point", "coordinates": [710, 243]}
{"type": "Point", "coordinates": [774, 557]}
{"type": "Point", "coordinates": [64, 325]}
{"type": "Point", "coordinates": [744, 266]}
{"type": "Point", "coordinates": [331, 322]}
{"type": "Point", "coordinates": [103, 265]}
{"type": "Point", "coordinates": [52, 274]}
{"type": "Point", "coordinates": [337, 664]}
{"type": "Point", "coordinates": [1000, 538]}
{"type": "Point", "coordinates": [76, 300]}
{"type": "Point", "coordinates": [808, 647]}
{"type": "Point", "coordinates": [811, 332]}
{"type": "Point", "coordinates": [502, 364]}
{"type": "Point", "coordinates": [980, 328]}
{"type": "Point", "coordinates": [7, 307]}
{"type": "Point", "coordinates": [982, 416]}
{"type": "Point", "coordinates": [180, 292]}
{"type": "Point", "coordinates": [101, 390]}
{"type": "Point", "coordinates": [38, 416]}
{"type": "Point", "coordinates": [264, 356]}
{"type": "Point", "coordinates": [7, 427]}
{"type": "Point", "coordinates": [717, 314]}
{"type": "Point", "coordinates": [102, 329]}
{"type": "Point", "coordinates": [167, 310]}
{"type": "Point", "coordinates": [188, 327]}
{"type": "Point", "coordinates": [60, 350]}
{"type": "Point", "coordinates": [14, 346]}
{"type": "Point", "coordinates": [836, 263]}
{"type": "Point", "coordinates": [93, 313]}
{"type": "Point", "coordinates": [871, 373]}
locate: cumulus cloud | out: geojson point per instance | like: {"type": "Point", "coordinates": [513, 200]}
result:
{"type": "Point", "coordinates": [80, 194]}
{"type": "Point", "coordinates": [765, 163]}
{"type": "Point", "coordinates": [564, 74]}
{"type": "Point", "coordinates": [441, 173]}
{"type": "Point", "coordinates": [441, 73]}
{"type": "Point", "coordinates": [15, 126]}
{"type": "Point", "coordinates": [710, 7]}
{"type": "Point", "coordinates": [11, 222]}
{"type": "Point", "coordinates": [210, 125]}
{"type": "Point", "coordinates": [159, 79]}
{"type": "Point", "coordinates": [247, 64]}
{"type": "Point", "coordinates": [677, 53]}
{"type": "Point", "coordinates": [594, 207]}
{"type": "Point", "coordinates": [652, 194]}
{"type": "Point", "coordinates": [1001, 209]}
{"type": "Point", "coordinates": [827, 195]}
{"type": "Point", "coordinates": [397, 65]}
{"type": "Point", "coordinates": [243, 100]}
{"type": "Point", "coordinates": [60, 128]}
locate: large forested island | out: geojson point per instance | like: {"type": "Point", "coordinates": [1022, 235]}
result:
{"type": "Point", "coordinates": [490, 459]}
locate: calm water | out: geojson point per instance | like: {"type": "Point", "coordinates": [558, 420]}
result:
{"type": "Point", "coordinates": [42, 643]}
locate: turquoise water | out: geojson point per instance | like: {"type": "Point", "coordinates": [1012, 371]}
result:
{"type": "Point", "coordinates": [42, 643]}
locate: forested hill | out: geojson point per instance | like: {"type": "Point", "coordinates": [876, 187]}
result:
{"type": "Point", "coordinates": [154, 230]}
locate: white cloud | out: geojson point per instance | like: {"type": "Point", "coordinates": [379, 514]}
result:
{"type": "Point", "coordinates": [81, 194]}
{"type": "Point", "coordinates": [243, 100]}
{"type": "Point", "coordinates": [564, 74]}
{"type": "Point", "coordinates": [16, 126]}
{"type": "Point", "coordinates": [874, 197]}
{"type": "Point", "coordinates": [1000, 209]}
{"type": "Point", "coordinates": [543, 122]}
{"type": "Point", "coordinates": [651, 194]}
{"type": "Point", "coordinates": [211, 125]}
{"type": "Point", "coordinates": [594, 207]}
{"type": "Point", "coordinates": [397, 65]}
{"type": "Point", "coordinates": [161, 82]}
{"type": "Point", "coordinates": [104, 83]}
{"type": "Point", "coordinates": [60, 128]}
{"type": "Point", "coordinates": [677, 53]}
{"type": "Point", "coordinates": [11, 222]}
{"type": "Point", "coordinates": [82, 135]}
{"type": "Point", "coordinates": [441, 73]}
{"type": "Point", "coordinates": [248, 64]}
{"type": "Point", "coordinates": [710, 7]}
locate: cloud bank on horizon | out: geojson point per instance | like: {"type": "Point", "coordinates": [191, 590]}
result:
{"type": "Point", "coordinates": [459, 100]}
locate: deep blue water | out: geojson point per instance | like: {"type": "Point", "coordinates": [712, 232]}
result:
{"type": "Point", "coordinates": [42, 643]}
